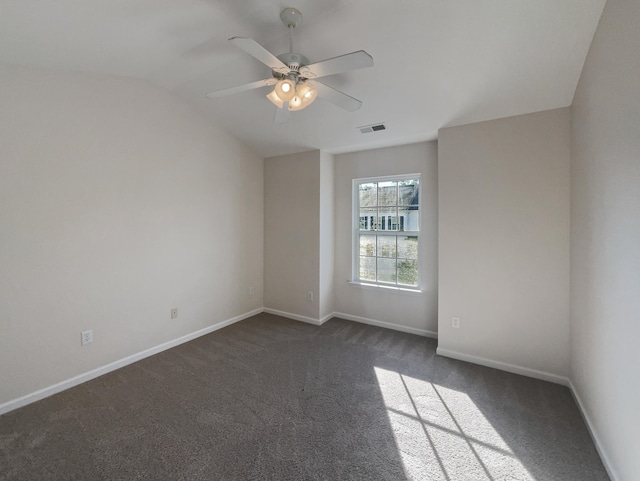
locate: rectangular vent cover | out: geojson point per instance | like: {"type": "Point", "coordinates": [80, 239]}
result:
{"type": "Point", "coordinates": [367, 129]}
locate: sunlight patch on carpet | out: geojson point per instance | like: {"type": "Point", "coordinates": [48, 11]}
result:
{"type": "Point", "coordinates": [442, 432]}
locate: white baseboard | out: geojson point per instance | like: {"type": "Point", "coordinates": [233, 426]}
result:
{"type": "Point", "coordinates": [349, 317]}
{"type": "Point", "coordinates": [503, 366]}
{"type": "Point", "coordinates": [87, 376]}
{"type": "Point", "coordinates": [298, 317]}
{"type": "Point", "coordinates": [94, 373]}
{"type": "Point", "coordinates": [545, 377]}
{"type": "Point", "coordinates": [594, 436]}
{"type": "Point", "coordinates": [327, 317]}
{"type": "Point", "coordinates": [388, 325]}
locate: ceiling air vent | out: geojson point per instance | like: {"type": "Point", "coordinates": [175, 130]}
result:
{"type": "Point", "coordinates": [367, 129]}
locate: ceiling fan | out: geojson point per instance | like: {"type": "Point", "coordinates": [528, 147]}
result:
{"type": "Point", "coordinates": [294, 77]}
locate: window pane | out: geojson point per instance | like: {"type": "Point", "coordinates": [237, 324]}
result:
{"type": "Point", "coordinates": [368, 245]}
{"type": "Point", "coordinates": [390, 217]}
{"type": "Point", "coordinates": [408, 272]}
{"type": "Point", "coordinates": [393, 222]}
{"type": "Point", "coordinates": [387, 223]}
{"type": "Point", "coordinates": [386, 246]}
{"type": "Point", "coordinates": [367, 193]}
{"type": "Point", "coordinates": [388, 193]}
{"type": "Point", "coordinates": [410, 216]}
{"type": "Point", "coordinates": [408, 191]}
{"type": "Point", "coordinates": [386, 270]}
{"type": "Point", "coordinates": [368, 219]}
{"type": "Point", "coordinates": [367, 268]}
{"type": "Point", "coordinates": [408, 247]}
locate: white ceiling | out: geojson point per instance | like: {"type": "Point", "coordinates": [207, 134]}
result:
{"type": "Point", "coordinates": [437, 63]}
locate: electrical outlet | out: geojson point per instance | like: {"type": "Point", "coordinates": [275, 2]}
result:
{"type": "Point", "coordinates": [174, 313]}
{"type": "Point", "coordinates": [455, 322]}
{"type": "Point", "coordinates": [252, 290]}
{"type": "Point", "coordinates": [309, 295]}
{"type": "Point", "coordinates": [86, 337]}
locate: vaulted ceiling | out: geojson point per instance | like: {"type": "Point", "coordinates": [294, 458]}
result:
{"type": "Point", "coordinates": [437, 63]}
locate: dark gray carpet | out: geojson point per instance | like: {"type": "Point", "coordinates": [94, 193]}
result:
{"type": "Point", "coordinates": [273, 399]}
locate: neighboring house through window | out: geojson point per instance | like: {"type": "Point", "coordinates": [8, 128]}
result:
{"type": "Point", "coordinates": [386, 223]}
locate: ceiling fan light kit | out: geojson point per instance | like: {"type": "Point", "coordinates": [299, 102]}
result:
{"type": "Point", "coordinates": [294, 77]}
{"type": "Point", "coordinates": [277, 101]}
{"type": "Point", "coordinates": [285, 89]}
{"type": "Point", "coordinates": [298, 97]}
{"type": "Point", "coordinates": [302, 100]}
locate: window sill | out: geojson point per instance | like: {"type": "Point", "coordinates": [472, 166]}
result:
{"type": "Point", "coordinates": [377, 287]}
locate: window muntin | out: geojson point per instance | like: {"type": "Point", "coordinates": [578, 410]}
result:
{"type": "Point", "coordinates": [386, 231]}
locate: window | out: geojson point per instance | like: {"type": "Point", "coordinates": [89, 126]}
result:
{"type": "Point", "coordinates": [386, 223]}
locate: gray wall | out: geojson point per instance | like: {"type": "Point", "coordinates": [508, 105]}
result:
{"type": "Point", "coordinates": [504, 242]}
{"type": "Point", "coordinates": [117, 203]}
{"type": "Point", "coordinates": [327, 233]}
{"type": "Point", "coordinates": [292, 233]}
{"type": "Point", "coordinates": [412, 312]}
{"type": "Point", "coordinates": [605, 237]}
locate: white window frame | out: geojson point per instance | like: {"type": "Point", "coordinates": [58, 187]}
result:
{"type": "Point", "coordinates": [355, 237]}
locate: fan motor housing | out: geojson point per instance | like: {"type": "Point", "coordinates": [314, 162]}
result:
{"type": "Point", "coordinates": [293, 59]}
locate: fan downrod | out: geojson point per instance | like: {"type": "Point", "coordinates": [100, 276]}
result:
{"type": "Point", "coordinates": [291, 17]}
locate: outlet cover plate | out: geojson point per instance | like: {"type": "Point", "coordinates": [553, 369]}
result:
{"type": "Point", "coordinates": [86, 337]}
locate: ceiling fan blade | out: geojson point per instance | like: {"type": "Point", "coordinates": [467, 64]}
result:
{"type": "Point", "coordinates": [343, 63]}
{"type": "Point", "coordinates": [260, 53]}
{"type": "Point", "coordinates": [282, 114]}
{"type": "Point", "coordinates": [242, 88]}
{"type": "Point", "coordinates": [336, 97]}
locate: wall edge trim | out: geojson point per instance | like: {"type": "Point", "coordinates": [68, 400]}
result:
{"type": "Point", "coordinates": [504, 366]}
{"type": "Point", "coordinates": [387, 325]}
{"type": "Point", "coordinates": [608, 466]}
{"type": "Point", "coordinates": [112, 366]}
{"type": "Point", "coordinates": [298, 317]}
